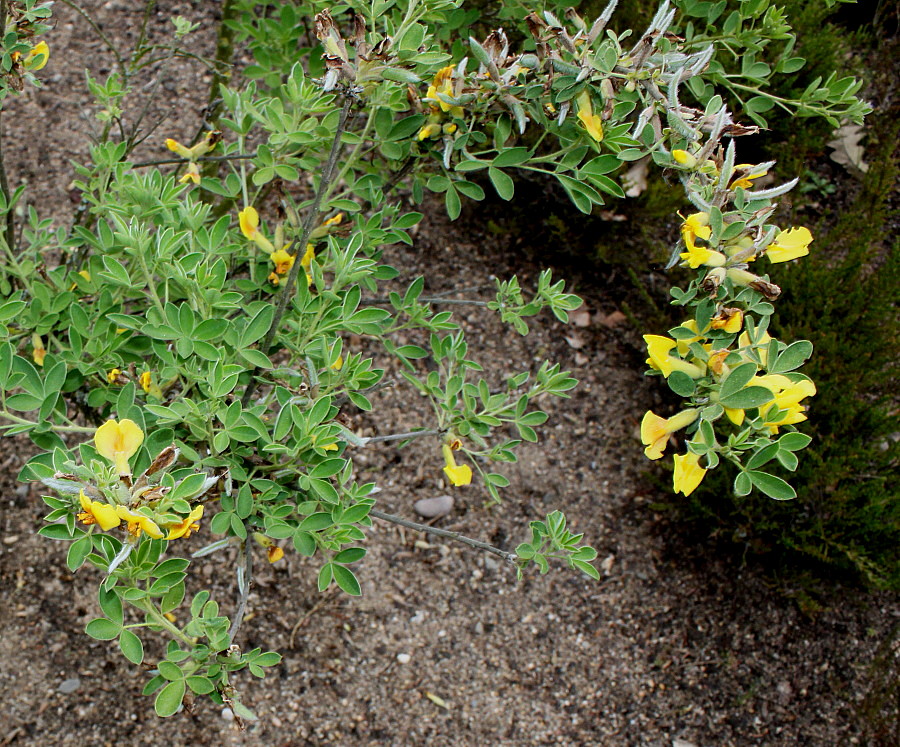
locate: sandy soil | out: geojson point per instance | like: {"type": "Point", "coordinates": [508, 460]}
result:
{"type": "Point", "coordinates": [678, 644]}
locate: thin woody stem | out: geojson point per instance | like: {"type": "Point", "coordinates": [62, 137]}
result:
{"type": "Point", "coordinates": [312, 218]}
{"type": "Point", "coordinates": [166, 161]}
{"type": "Point", "coordinates": [401, 436]}
{"type": "Point", "coordinates": [10, 229]}
{"type": "Point", "coordinates": [509, 557]}
{"type": "Point", "coordinates": [244, 592]}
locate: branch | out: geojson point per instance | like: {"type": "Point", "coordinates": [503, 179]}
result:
{"type": "Point", "coordinates": [312, 218]}
{"type": "Point", "coordinates": [366, 440]}
{"type": "Point", "coordinates": [244, 589]}
{"type": "Point", "coordinates": [509, 557]}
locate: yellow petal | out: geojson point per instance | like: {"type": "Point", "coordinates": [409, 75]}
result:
{"type": "Point", "coordinates": [790, 245]}
{"type": "Point", "coordinates": [176, 147]}
{"type": "Point", "coordinates": [118, 442]}
{"type": "Point", "coordinates": [41, 48]}
{"type": "Point", "coordinates": [654, 434]}
{"type": "Point", "coordinates": [138, 523]}
{"type": "Point", "coordinates": [189, 524]}
{"type": "Point", "coordinates": [459, 474]}
{"type": "Point", "coordinates": [275, 553]}
{"type": "Point", "coordinates": [95, 512]}
{"type": "Point", "coordinates": [688, 473]}
{"type": "Point", "coordinates": [249, 220]}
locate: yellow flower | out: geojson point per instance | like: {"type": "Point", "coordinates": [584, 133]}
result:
{"type": "Point", "coordinates": [249, 220]}
{"type": "Point", "coordinates": [655, 430]}
{"type": "Point", "coordinates": [701, 255]}
{"type": "Point", "coordinates": [274, 552]}
{"type": "Point", "coordinates": [190, 523]}
{"type": "Point", "coordinates": [41, 48]}
{"type": "Point", "coordinates": [283, 261]}
{"type": "Point", "coordinates": [39, 352]}
{"type": "Point", "coordinates": [684, 158]}
{"type": "Point", "coordinates": [138, 523]}
{"type": "Point", "coordinates": [118, 442]}
{"type": "Point", "coordinates": [113, 376]}
{"type": "Point", "coordinates": [688, 473]}
{"type": "Point", "coordinates": [789, 245]}
{"type": "Point", "coordinates": [176, 147]}
{"type": "Point", "coordinates": [339, 363]}
{"type": "Point", "coordinates": [102, 514]}
{"type": "Point", "coordinates": [443, 84]}
{"type": "Point", "coordinates": [192, 174]}
{"type": "Point", "coordinates": [334, 220]}
{"type": "Point", "coordinates": [684, 345]}
{"type": "Point", "coordinates": [729, 319]}
{"type": "Point", "coordinates": [695, 226]}
{"type": "Point", "coordinates": [429, 131]}
{"type": "Point", "coordinates": [458, 474]}
{"type": "Point", "coordinates": [592, 123]}
{"type": "Point", "coordinates": [746, 181]}
{"type": "Point", "coordinates": [788, 394]}
{"type": "Point", "coordinates": [146, 381]}
{"type": "Point", "coordinates": [273, 278]}
{"type": "Point", "coordinates": [658, 348]}
{"type": "Point", "coordinates": [735, 416]}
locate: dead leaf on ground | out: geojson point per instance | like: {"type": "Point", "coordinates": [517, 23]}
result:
{"type": "Point", "coordinates": [437, 700]}
{"type": "Point", "coordinates": [575, 340]}
{"type": "Point", "coordinates": [847, 150]}
{"type": "Point", "coordinates": [612, 320]}
{"type": "Point", "coordinates": [580, 318]}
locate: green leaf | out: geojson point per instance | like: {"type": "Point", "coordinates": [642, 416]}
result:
{"type": "Point", "coordinates": [258, 325]}
{"type": "Point", "coordinates": [502, 182]}
{"type": "Point", "coordinates": [738, 379]}
{"type": "Point", "coordinates": [794, 441]}
{"type": "Point", "coordinates": [745, 399]}
{"type": "Point", "coordinates": [586, 568]}
{"type": "Point", "coordinates": [511, 157]}
{"type": "Point", "coordinates": [131, 647]}
{"type": "Point", "coordinates": [325, 576]}
{"type": "Point", "coordinates": [350, 555]}
{"type": "Point", "coordinates": [255, 358]}
{"type": "Point", "coordinates": [772, 486]}
{"type": "Point", "coordinates": [346, 580]}
{"type": "Point", "coordinates": [102, 629]}
{"type": "Point", "coordinates": [792, 357]}
{"type": "Point", "coordinates": [200, 685]}
{"type": "Point", "coordinates": [680, 383]}
{"type": "Point", "coordinates": [742, 484]}
{"type": "Point", "coordinates": [761, 457]}
{"type": "Point", "coordinates": [452, 203]}
{"type": "Point", "coordinates": [78, 552]}
{"type": "Point", "coordinates": [169, 699]}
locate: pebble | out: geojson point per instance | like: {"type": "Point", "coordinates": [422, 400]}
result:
{"type": "Point", "coordinates": [418, 617]}
{"type": "Point", "coordinates": [227, 714]}
{"type": "Point", "coordinates": [432, 508]}
{"type": "Point", "coordinates": [403, 658]}
{"type": "Point", "coordinates": [69, 686]}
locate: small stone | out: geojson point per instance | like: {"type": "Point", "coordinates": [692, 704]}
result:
{"type": "Point", "coordinates": [490, 563]}
{"type": "Point", "coordinates": [432, 508]}
{"type": "Point", "coordinates": [404, 658]}
{"type": "Point", "coordinates": [227, 714]}
{"type": "Point", "coordinates": [417, 618]}
{"type": "Point", "coordinates": [69, 686]}
{"type": "Point", "coordinates": [479, 628]}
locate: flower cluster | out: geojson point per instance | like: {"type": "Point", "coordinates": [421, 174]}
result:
{"type": "Point", "coordinates": [143, 506]}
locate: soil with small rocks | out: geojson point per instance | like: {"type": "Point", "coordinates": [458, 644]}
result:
{"type": "Point", "coordinates": [677, 644]}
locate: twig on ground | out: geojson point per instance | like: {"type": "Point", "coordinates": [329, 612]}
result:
{"type": "Point", "coordinates": [509, 557]}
